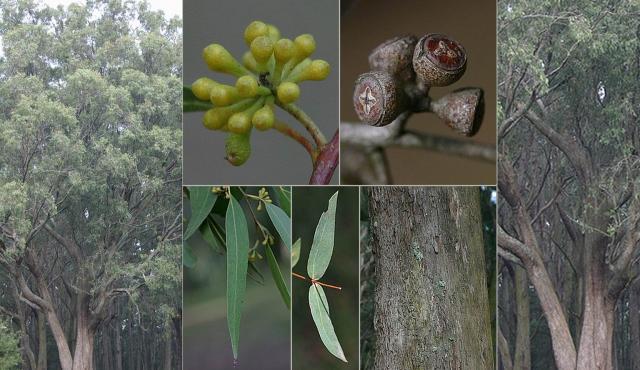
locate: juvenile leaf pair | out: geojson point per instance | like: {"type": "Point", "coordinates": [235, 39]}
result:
{"type": "Point", "coordinates": [317, 264]}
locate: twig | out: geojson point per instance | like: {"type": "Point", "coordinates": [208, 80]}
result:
{"type": "Point", "coordinates": [306, 121]}
{"type": "Point", "coordinates": [313, 281]}
{"type": "Point", "coordinates": [326, 162]}
{"type": "Point", "coordinates": [380, 166]}
{"type": "Point", "coordinates": [295, 135]}
{"type": "Point", "coordinates": [364, 136]}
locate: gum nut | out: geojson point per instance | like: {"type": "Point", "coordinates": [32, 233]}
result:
{"type": "Point", "coordinates": [439, 60]}
{"type": "Point", "coordinates": [378, 98]}
{"type": "Point", "coordinates": [462, 110]}
{"type": "Point", "coordinates": [395, 56]}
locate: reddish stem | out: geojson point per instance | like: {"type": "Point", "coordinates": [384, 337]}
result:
{"type": "Point", "coordinates": [295, 135]}
{"type": "Point", "coordinates": [313, 281]}
{"type": "Point", "coordinates": [326, 162]}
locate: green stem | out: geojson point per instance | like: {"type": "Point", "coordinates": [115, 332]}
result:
{"type": "Point", "coordinates": [306, 121]}
{"type": "Point", "coordinates": [262, 229]}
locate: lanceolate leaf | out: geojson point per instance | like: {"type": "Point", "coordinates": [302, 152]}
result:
{"type": "Point", "coordinates": [277, 277]}
{"type": "Point", "coordinates": [210, 239]}
{"type": "Point", "coordinates": [281, 222]}
{"type": "Point", "coordinates": [322, 247]}
{"type": "Point", "coordinates": [295, 253]}
{"type": "Point", "coordinates": [254, 273]}
{"type": "Point", "coordinates": [237, 261]}
{"type": "Point", "coordinates": [320, 313]}
{"type": "Point", "coordinates": [284, 196]}
{"type": "Point", "coordinates": [201, 200]}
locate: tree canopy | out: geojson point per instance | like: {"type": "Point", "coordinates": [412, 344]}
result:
{"type": "Point", "coordinates": [90, 172]}
{"type": "Point", "coordinates": [569, 179]}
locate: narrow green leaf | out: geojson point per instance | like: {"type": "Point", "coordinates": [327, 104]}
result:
{"type": "Point", "coordinates": [277, 277]}
{"type": "Point", "coordinates": [210, 239]}
{"type": "Point", "coordinates": [192, 104]}
{"type": "Point", "coordinates": [322, 247]}
{"type": "Point", "coordinates": [188, 259]}
{"type": "Point", "coordinates": [237, 258]}
{"type": "Point", "coordinates": [254, 273]}
{"type": "Point", "coordinates": [201, 200]}
{"type": "Point", "coordinates": [281, 222]}
{"type": "Point", "coordinates": [295, 253]}
{"type": "Point", "coordinates": [320, 313]}
{"type": "Point", "coordinates": [284, 196]}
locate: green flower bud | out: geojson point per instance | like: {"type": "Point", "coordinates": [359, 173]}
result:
{"type": "Point", "coordinates": [274, 32]}
{"type": "Point", "coordinates": [255, 29]}
{"type": "Point", "coordinates": [263, 119]}
{"type": "Point", "coordinates": [317, 70]}
{"type": "Point", "coordinates": [305, 46]}
{"type": "Point", "coordinates": [237, 148]}
{"type": "Point", "coordinates": [284, 50]}
{"type": "Point", "coordinates": [262, 48]}
{"type": "Point", "coordinates": [247, 86]}
{"type": "Point", "coordinates": [216, 118]}
{"type": "Point", "coordinates": [288, 92]}
{"type": "Point", "coordinates": [239, 123]}
{"type": "Point", "coordinates": [220, 60]}
{"type": "Point", "coordinates": [223, 95]}
{"type": "Point", "coordinates": [202, 88]}
{"type": "Point", "coordinates": [249, 62]}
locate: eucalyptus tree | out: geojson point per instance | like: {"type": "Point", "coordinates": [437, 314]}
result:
{"type": "Point", "coordinates": [90, 171]}
{"type": "Point", "coordinates": [569, 92]}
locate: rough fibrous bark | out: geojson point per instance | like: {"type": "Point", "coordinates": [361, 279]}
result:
{"type": "Point", "coordinates": [431, 301]}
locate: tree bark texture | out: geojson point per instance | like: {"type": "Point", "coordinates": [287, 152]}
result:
{"type": "Point", "coordinates": [431, 301]}
{"type": "Point", "coordinates": [522, 360]}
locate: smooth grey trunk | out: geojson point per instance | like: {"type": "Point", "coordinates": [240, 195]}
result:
{"type": "Point", "coordinates": [431, 299]}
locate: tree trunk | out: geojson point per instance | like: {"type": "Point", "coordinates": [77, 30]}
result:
{"type": "Point", "coordinates": [42, 341]}
{"type": "Point", "coordinates": [168, 351]}
{"type": "Point", "coordinates": [503, 352]}
{"type": "Point", "coordinates": [596, 339]}
{"type": "Point", "coordinates": [431, 300]}
{"type": "Point", "coordinates": [522, 359]}
{"type": "Point", "coordinates": [83, 354]}
{"type": "Point", "coordinates": [634, 326]}
{"type": "Point", "coordinates": [118, 356]}
{"type": "Point", "coordinates": [28, 357]}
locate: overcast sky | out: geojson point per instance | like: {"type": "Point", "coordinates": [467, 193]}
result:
{"type": "Point", "coordinates": [169, 7]}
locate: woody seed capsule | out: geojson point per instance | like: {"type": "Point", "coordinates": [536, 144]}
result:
{"type": "Point", "coordinates": [395, 56]}
{"type": "Point", "coordinates": [439, 60]}
{"type": "Point", "coordinates": [378, 98]}
{"type": "Point", "coordinates": [462, 110]}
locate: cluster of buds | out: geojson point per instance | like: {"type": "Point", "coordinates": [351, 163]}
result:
{"type": "Point", "coordinates": [402, 72]}
{"type": "Point", "coordinates": [269, 73]}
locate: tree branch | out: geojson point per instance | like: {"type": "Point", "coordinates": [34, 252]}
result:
{"type": "Point", "coordinates": [327, 162]}
{"type": "Point", "coordinates": [70, 245]}
{"type": "Point", "coordinates": [365, 136]}
{"type": "Point", "coordinates": [575, 152]}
